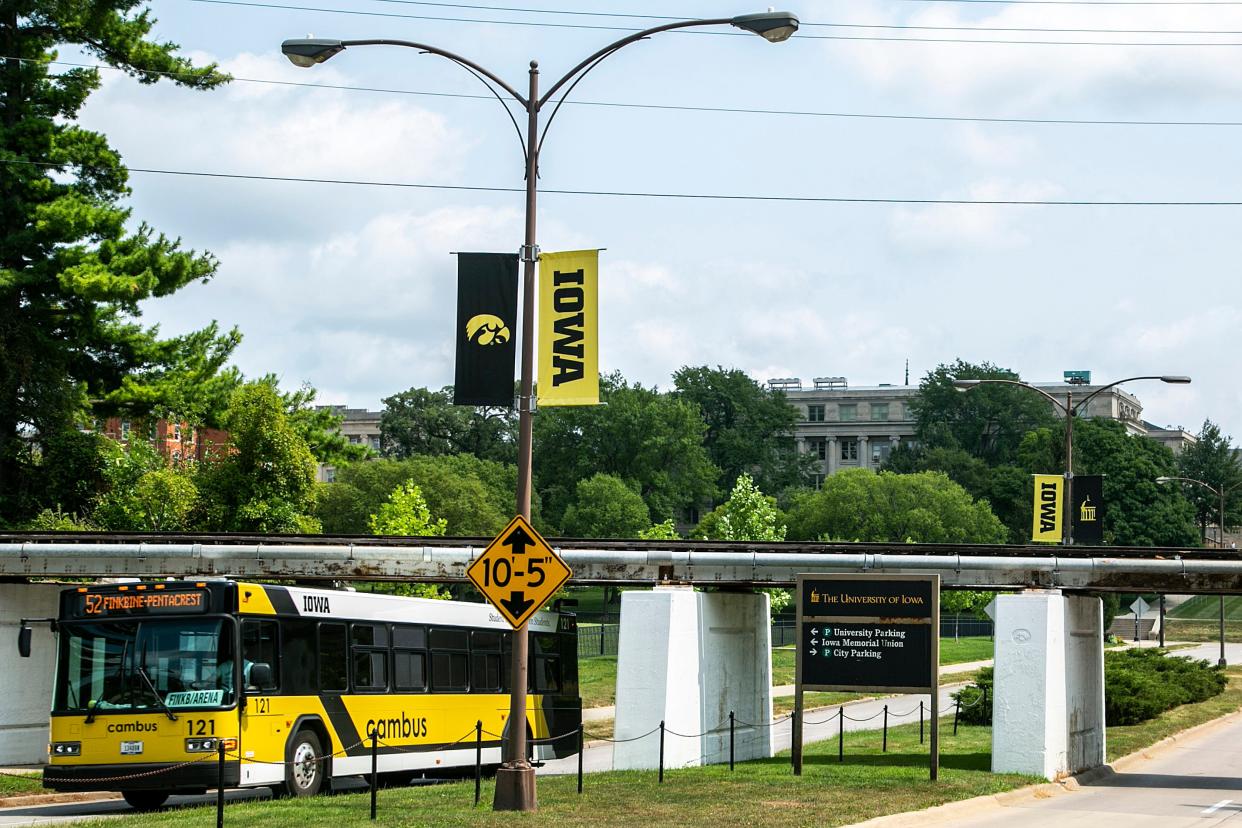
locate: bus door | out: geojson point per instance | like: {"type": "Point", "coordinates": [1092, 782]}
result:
{"type": "Point", "coordinates": [263, 729]}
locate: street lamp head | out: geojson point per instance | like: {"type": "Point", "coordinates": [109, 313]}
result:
{"type": "Point", "coordinates": [965, 384]}
{"type": "Point", "coordinates": [1163, 479]}
{"type": "Point", "coordinates": [772, 26]}
{"type": "Point", "coordinates": [306, 52]}
{"type": "Point", "coordinates": [1176, 380]}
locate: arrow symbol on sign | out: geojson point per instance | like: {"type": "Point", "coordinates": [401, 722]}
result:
{"type": "Point", "coordinates": [517, 541]}
{"type": "Point", "coordinates": [814, 640]}
{"type": "Point", "coordinates": [814, 651]}
{"type": "Point", "coordinates": [517, 603]}
{"type": "Point", "coordinates": [814, 630]}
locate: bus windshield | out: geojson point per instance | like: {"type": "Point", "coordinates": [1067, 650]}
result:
{"type": "Point", "coordinates": [115, 665]}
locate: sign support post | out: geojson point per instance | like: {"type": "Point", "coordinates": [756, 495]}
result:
{"type": "Point", "coordinates": [868, 633]}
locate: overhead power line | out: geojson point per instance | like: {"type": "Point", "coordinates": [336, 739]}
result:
{"type": "Point", "coordinates": [987, 202]}
{"type": "Point", "coordinates": [871, 38]}
{"type": "Point", "coordinates": [730, 110]}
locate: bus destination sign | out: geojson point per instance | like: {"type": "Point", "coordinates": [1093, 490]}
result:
{"type": "Point", "coordinates": [148, 602]}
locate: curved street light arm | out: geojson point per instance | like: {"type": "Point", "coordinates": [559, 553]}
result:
{"type": "Point", "coordinates": [557, 108]}
{"type": "Point", "coordinates": [625, 41]}
{"type": "Point", "coordinates": [1051, 398]}
{"type": "Point", "coordinates": [1207, 486]}
{"type": "Point", "coordinates": [483, 80]}
{"type": "Point", "coordinates": [444, 53]}
{"type": "Point", "coordinates": [1103, 388]}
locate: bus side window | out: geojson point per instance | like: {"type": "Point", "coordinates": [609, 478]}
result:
{"type": "Point", "coordinates": [485, 661]}
{"type": "Point", "coordinates": [333, 658]}
{"type": "Point", "coordinates": [260, 645]}
{"type": "Point", "coordinates": [370, 649]}
{"type": "Point", "coordinates": [450, 660]}
{"type": "Point", "coordinates": [409, 659]}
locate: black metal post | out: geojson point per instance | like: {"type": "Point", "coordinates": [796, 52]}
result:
{"type": "Point", "coordinates": [731, 735]}
{"type": "Point", "coordinates": [885, 748]}
{"type": "Point", "coordinates": [661, 751]}
{"type": "Point", "coordinates": [581, 748]}
{"type": "Point", "coordinates": [840, 734]}
{"type": "Point", "coordinates": [957, 708]}
{"type": "Point", "coordinates": [602, 628]}
{"type": "Point", "coordinates": [374, 768]}
{"type": "Point", "coordinates": [920, 721]}
{"type": "Point", "coordinates": [220, 785]}
{"type": "Point", "coordinates": [478, 760]}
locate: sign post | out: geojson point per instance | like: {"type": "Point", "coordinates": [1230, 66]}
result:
{"type": "Point", "coordinates": [869, 633]}
{"type": "Point", "coordinates": [1138, 608]}
{"type": "Point", "coordinates": [518, 572]}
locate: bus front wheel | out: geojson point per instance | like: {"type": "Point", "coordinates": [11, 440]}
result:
{"type": "Point", "coordinates": [145, 800]}
{"type": "Point", "coordinates": [306, 766]}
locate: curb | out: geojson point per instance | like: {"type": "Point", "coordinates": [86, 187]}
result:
{"type": "Point", "coordinates": [949, 811]}
{"type": "Point", "coordinates": [55, 798]}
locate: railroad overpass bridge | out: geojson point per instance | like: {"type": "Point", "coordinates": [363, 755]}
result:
{"type": "Point", "coordinates": [687, 657]}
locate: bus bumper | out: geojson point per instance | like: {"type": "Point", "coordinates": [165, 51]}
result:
{"type": "Point", "coordinates": [174, 777]}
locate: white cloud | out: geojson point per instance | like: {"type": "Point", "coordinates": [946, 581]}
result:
{"type": "Point", "coordinates": [964, 227]}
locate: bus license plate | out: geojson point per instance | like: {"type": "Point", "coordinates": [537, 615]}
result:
{"type": "Point", "coordinates": [131, 748]}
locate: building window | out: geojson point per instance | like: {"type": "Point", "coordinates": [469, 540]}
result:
{"type": "Point", "coordinates": [879, 411]}
{"type": "Point", "coordinates": [818, 446]}
{"type": "Point", "coordinates": [815, 413]}
{"type": "Point", "coordinates": [880, 449]}
{"type": "Point", "coordinates": [354, 439]}
{"type": "Point", "coordinates": [177, 432]}
{"type": "Point", "coordinates": [847, 412]}
{"type": "Point", "coordinates": [849, 449]}
{"type": "Point", "coordinates": [375, 442]}
{"type": "Point", "coordinates": [124, 429]}
{"type": "Point", "coordinates": [818, 481]}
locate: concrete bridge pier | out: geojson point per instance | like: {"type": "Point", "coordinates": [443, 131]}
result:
{"type": "Point", "coordinates": [1048, 706]}
{"type": "Point", "coordinates": [688, 658]}
{"type": "Point", "coordinates": [26, 683]}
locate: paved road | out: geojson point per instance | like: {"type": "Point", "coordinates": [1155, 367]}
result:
{"type": "Point", "coordinates": [1196, 781]}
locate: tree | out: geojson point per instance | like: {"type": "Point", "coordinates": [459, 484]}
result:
{"type": "Point", "coordinates": [266, 480]}
{"type": "Point", "coordinates": [72, 276]}
{"type": "Point", "coordinates": [748, 514]}
{"type": "Point", "coordinates": [475, 497]}
{"type": "Point", "coordinates": [605, 507]}
{"type": "Point", "coordinates": [749, 429]}
{"type": "Point", "coordinates": [406, 513]}
{"type": "Point", "coordinates": [649, 439]}
{"type": "Point", "coordinates": [167, 498]}
{"type": "Point", "coordinates": [1214, 460]}
{"type": "Point", "coordinates": [319, 426]}
{"type": "Point", "coordinates": [925, 507]}
{"type": "Point", "coordinates": [421, 421]}
{"type": "Point", "coordinates": [987, 422]}
{"type": "Point", "coordinates": [1137, 511]}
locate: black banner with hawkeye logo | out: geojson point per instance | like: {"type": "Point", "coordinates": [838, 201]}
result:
{"type": "Point", "coordinates": [487, 326]}
{"type": "Point", "coordinates": [1087, 509]}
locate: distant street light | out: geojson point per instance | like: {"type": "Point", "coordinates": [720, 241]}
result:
{"type": "Point", "coordinates": [515, 782]}
{"type": "Point", "coordinates": [1070, 409]}
{"type": "Point", "coordinates": [1220, 538]}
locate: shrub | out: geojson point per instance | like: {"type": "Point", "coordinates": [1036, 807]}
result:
{"type": "Point", "coordinates": [1138, 685]}
{"type": "Point", "coordinates": [975, 700]}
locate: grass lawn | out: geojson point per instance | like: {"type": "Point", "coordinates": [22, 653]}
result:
{"type": "Point", "coordinates": [762, 793]}
{"type": "Point", "coordinates": [19, 785]}
{"type": "Point", "coordinates": [1207, 607]}
{"type": "Point", "coordinates": [597, 681]}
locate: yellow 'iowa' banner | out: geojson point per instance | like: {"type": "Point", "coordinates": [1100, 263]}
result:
{"type": "Point", "coordinates": [569, 328]}
{"type": "Point", "coordinates": [1049, 499]}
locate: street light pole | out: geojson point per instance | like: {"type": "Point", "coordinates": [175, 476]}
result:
{"type": "Point", "coordinates": [1220, 538]}
{"type": "Point", "coordinates": [1070, 409]}
{"type": "Point", "coordinates": [515, 780]}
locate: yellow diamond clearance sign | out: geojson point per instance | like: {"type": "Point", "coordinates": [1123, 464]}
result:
{"type": "Point", "coordinates": [518, 572]}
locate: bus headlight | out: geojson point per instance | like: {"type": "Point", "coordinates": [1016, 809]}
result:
{"type": "Point", "coordinates": [200, 745]}
{"type": "Point", "coordinates": [203, 745]}
{"type": "Point", "coordinates": [65, 749]}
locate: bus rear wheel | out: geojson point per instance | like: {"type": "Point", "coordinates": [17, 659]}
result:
{"type": "Point", "coordinates": [145, 800]}
{"type": "Point", "coordinates": [305, 765]}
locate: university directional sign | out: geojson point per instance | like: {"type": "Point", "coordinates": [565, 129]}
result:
{"type": "Point", "coordinates": [518, 572]}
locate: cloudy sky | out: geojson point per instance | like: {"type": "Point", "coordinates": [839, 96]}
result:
{"type": "Point", "coordinates": [351, 288]}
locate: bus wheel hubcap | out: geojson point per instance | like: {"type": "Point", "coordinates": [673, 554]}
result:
{"type": "Point", "coordinates": [304, 766]}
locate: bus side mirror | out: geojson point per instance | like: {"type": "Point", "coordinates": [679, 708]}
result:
{"type": "Point", "coordinates": [23, 641]}
{"type": "Point", "coordinates": [260, 675]}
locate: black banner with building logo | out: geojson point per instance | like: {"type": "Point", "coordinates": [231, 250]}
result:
{"type": "Point", "coordinates": [487, 323]}
{"type": "Point", "coordinates": [1088, 508]}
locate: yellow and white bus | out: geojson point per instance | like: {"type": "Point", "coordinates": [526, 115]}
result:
{"type": "Point", "coordinates": [151, 676]}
